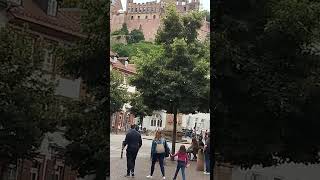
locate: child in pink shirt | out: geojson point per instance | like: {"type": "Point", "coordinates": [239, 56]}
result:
{"type": "Point", "coordinates": [182, 161]}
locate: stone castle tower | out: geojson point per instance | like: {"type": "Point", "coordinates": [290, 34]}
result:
{"type": "Point", "coordinates": [147, 16]}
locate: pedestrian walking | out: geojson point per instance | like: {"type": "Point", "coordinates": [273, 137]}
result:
{"type": "Point", "coordinates": [159, 150]}
{"type": "Point", "coordinates": [200, 159]}
{"type": "Point", "coordinates": [133, 141]}
{"type": "Point", "coordinates": [193, 149]}
{"type": "Point", "coordinates": [206, 135]}
{"type": "Point", "coordinates": [182, 162]}
{"type": "Point", "coordinates": [207, 155]}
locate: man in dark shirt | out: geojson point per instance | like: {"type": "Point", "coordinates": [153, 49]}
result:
{"type": "Point", "coordinates": [133, 141]}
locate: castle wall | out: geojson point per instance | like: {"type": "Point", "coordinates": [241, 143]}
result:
{"type": "Point", "coordinates": [116, 21]}
{"type": "Point", "coordinates": [148, 22]}
{"type": "Point", "coordinates": [147, 16]}
{"type": "Point", "coordinates": [204, 30]}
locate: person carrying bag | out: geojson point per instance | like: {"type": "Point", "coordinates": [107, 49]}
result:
{"type": "Point", "coordinates": [159, 150]}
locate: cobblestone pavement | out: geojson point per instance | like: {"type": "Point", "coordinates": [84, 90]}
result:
{"type": "Point", "coordinates": [142, 169]}
{"type": "Point", "coordinates": [118, 166]}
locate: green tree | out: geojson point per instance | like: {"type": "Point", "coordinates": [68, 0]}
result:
{"type": "Point", "coordinates": [139, 109]}
{"type": "Point", "coordinates": [123, 31]}
{"type": "Point", "coordinates": [177, 26]}
{"type": "Point", "coordinates": [178, 79]}
{"type": "Point", "coordinates": [137, 50]}
{"type": "Point", "coordinates": [135, 36]}
{"type": "Point", "coordinates": [88, 122]}
{"type": "Point", "coordinates": [118, 93]}
{"type": "Point", "coordinates": [24, 99]}
{"type": "Point", "coordinates": [266, 72]}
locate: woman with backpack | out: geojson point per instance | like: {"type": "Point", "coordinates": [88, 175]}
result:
{"type": "Point", "coordinates": [159, 150]}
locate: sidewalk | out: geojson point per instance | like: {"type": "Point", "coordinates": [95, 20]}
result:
{"type": "Point", "coordinates": [142, 169]}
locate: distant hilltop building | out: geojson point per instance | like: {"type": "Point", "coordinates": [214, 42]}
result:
{"type": "Point", "coordinates": [147, 16]}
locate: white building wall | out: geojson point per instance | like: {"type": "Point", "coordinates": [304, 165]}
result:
{"type": "Point", "coordinates": [284, 172]}
{"type": "Point", "coordinates": [202, 120]}
{"type": "Point", "coordinates": [147, 121]}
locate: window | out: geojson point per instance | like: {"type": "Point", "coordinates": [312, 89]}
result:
{"type": "Point", "coordinates": [153, 122]}
{"type": "Point", "coordinates": [185, 9]}
{"type": "Point", "coordinates": [159, 123]}
{"type": "Point", "coordinates": [18, 2]}
{"type": "Point", "coordinates": [138, 17]}
{"type": "Point", "coordinates": [131, 17]}
{"type": "Point", "coordinates": [52, 8]}
{"type": "Point", "coordinates": [255, 176]}
{"type": "Point", "coordinates": [277, 178]}
{"type": "Point", "coordinates": [146, 17]}
{"type": "Point", "coordinates": [144, 9]}
{"type": "Point", "coordinates": [131, 9]}
{"type": "Point", "coordinates": [154, 16]}
{"type": "Point", "coordinates": [48, 60]}
{"type": "Point", "coordinates": [33, 176]}
{"type": "Point", "coordinates": [136, 9]}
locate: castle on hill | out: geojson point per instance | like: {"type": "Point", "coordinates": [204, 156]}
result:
{"type": "Point", "coordinates": [147, 16]}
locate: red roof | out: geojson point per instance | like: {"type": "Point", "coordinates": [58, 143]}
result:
{"type": "Point", "coordinates": [67, 20]}
{"type": "Point", "coordinates": [113, 53]}
{"type": "Point", "coordinates": [130, 69]}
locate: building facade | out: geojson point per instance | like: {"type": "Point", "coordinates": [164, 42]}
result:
{"type": "Point", "coordinates": [199, 121]}
{"type": "Point", "coordinates": [52, 26]}
{"type": "Point", "coordinates": [122, 120]}
{"type": "Point", "coordinates": [147, 16]}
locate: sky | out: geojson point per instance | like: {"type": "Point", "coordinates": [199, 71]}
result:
{"type": "Point", "coordinates": [204, 4]}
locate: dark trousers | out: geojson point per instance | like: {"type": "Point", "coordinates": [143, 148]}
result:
{"type": "Point", "coordinates": [155, 158]}
{"type": "Point", "coordinates": [131, 160]}
{"type": "Point", "coordinates": [207, 162]}
{"type": "Point", "coordinates": [181, 165]}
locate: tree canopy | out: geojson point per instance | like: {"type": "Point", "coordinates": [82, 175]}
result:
{"type": "Point", "coordinates": [266, 71]}
{"type": "Point", "coordinates": [25, 96]}
{"type": "Point", "coordinates": [88, 121]}
{"type": "Point", "coordinates": [137, 50]}
{"type": "Point", "coordinates": [135, 36]}
{"type": "Point", "coordinates": [118, 93]}
{"type": "Point", "coordinates": [177, 79]}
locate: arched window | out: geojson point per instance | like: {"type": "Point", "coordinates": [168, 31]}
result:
{"type": "Point", "coordinates": [131, 17]}
{"type": "Point", "coordinates": [138, 17]}
{"type": "Point", "coordinates": [185, 9]}
{"type": "Point", "coordinates": [153, 122]}
{"type": "Point", "coordinates": [154, 16]}
{"type": "Point", "coordinates": [136, 9]}
{"type": "Point", "coordinates": [160, 123]}
{"type": "Point", "coordinates": [146, 17]}
{"type": "Point", "coordinates": [156, 120]}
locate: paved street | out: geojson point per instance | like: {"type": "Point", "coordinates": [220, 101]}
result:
{"type": "Point", "coordinates": [143, 163]}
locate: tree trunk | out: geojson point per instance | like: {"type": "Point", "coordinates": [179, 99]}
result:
{"type": "Point", "coordinates": [174, 132]}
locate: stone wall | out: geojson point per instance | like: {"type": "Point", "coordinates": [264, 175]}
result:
{"type": "Point", "coordinates": [148, 22]}
{"type": "Point", "coordinates": [147, 16]}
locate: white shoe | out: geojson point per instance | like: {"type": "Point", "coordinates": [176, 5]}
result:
{"type": "Point", "coordinates": [164, 177]}
{"type": "Point", "coordinates": [207, 173]}
{"type": "Point", "coordinates": [150, 177]}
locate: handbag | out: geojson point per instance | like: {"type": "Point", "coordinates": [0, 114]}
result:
{"type": "Point", "coordinates": [160, 148]}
